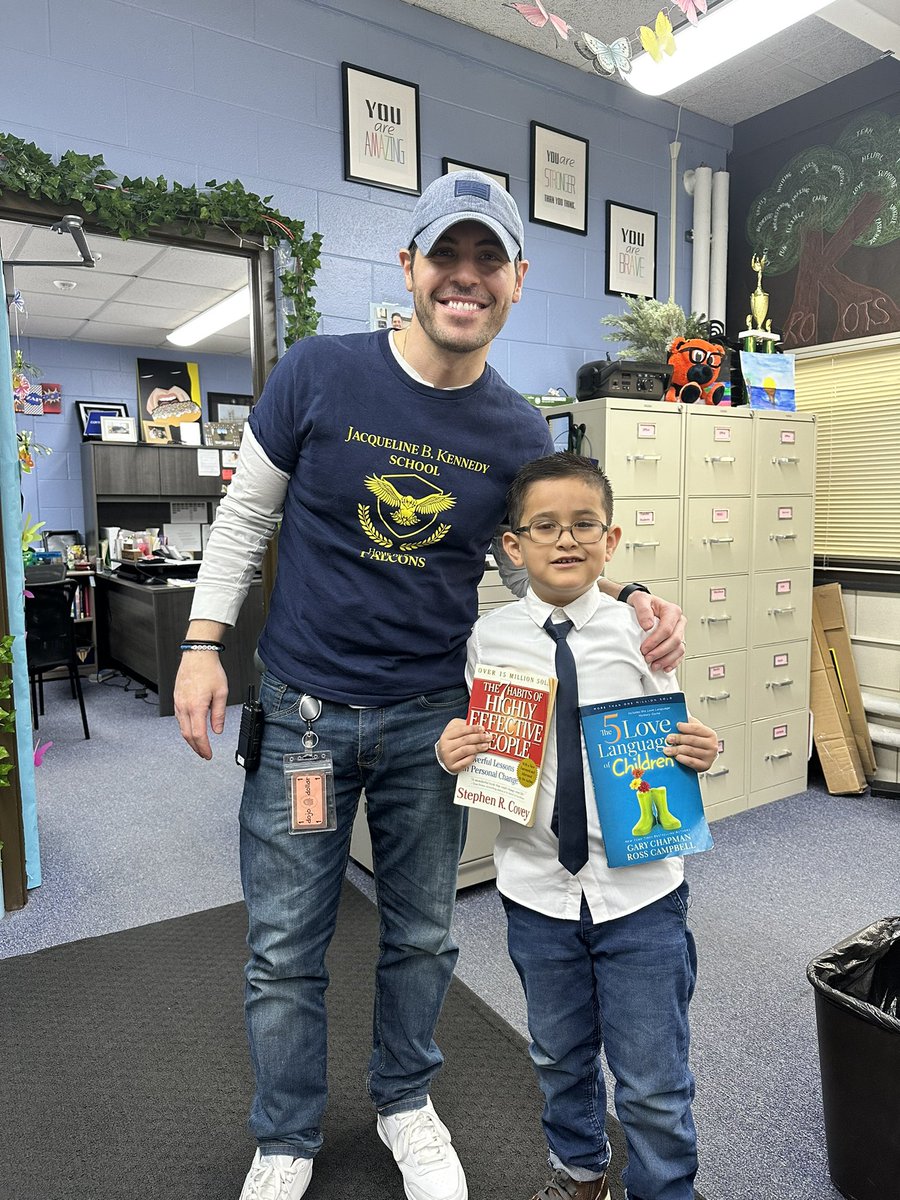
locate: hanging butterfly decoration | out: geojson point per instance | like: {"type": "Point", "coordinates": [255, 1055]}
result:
{"type": "Point", "coordinates": [538, 16]}
{"type": "Point", "coordinates": [692, 9]}
{"type": "Point", "coordinates": [660, 40]}
{"type": "Point", "coordinates": [605, 59]}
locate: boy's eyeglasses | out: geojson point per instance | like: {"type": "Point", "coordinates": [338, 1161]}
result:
{"type": "Point", "coordinates": [547, 533]}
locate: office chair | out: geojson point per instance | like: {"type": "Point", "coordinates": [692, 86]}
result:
{"type": "Point", "coordinates": [50, 642]}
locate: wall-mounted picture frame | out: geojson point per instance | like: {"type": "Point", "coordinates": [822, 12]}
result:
{"type": "Point", "coordinates": [449, 165]}
{"type": "Point", "coordinates": [559, 178]}
{"type": "Point", "coordinates": [386, 315]}
{"type": "Point", "coordinates": [157, 432]}
{"type": "Point", "coordinates": [224, 434]}
{"type": "Point", "coordinates": [630, 250]}
{"type": "Point", "coordinates": [228, 406]}
{"type": "Point", "coordinates": [118, 429]}
{"type": "Point", "coordinates": [381, 130]}
{"type": "Point", "coordinates": [168, 390]}
{"type": "Point", "coordinates": [90, 412]}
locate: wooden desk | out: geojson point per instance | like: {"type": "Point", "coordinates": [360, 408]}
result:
{"type": "Point", "coordinates": [140, 627]}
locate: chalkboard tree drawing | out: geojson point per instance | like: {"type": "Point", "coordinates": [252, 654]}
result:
{"type": "Point", "coordinates": [825, 202]}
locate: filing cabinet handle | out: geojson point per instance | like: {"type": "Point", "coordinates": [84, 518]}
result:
{"type": "Point", "coordinates": [718, 541]}
{"type": "Point", "coordinates": [776, 683]}
{"type": "Point", "coordinates": [643, 457]}
{"type": "Point", "coordinates": [641, 545]}
{"type": "Point", "coordinates": [716, 774]}
{"type": "Point", "coordinates": [778, 612]}
{"type": "Point", "coordinates": [783, 462]}
{"type": "Point", "coordinates": [713, 620]}
{"type": "Point", "coordinates": [721, 696]}
{"type": "Point", "coordinates": [714, 458]}
{"type": "Point", "coordinates": [782, 537]}
{"type": "Point", "coordinates": [782, 754]}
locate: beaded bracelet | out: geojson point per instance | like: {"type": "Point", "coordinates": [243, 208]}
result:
{"type": "Point", "coordinates": [202, 645]}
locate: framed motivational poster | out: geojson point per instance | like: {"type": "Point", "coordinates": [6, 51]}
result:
{"type": "Point", "coordinates": [630, 251]}
{"type": "Point", "coordinates": [453, 164]}
{"type": "Point", "coordinates": [381, 130]}
{"type": "Point", "coordinates": [559, 178]}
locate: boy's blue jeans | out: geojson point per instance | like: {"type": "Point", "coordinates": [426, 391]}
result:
{"type": "Point", "coordinates": [626, 985]}
{"type": "Point", "coordinates": [292, 885]}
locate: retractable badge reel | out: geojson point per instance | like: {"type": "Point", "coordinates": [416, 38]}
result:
{"type": "Point", "coordinates": [309, 778]}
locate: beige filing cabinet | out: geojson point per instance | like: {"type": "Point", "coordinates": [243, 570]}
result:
{"type": "Point", "coordinates": [716, 509]}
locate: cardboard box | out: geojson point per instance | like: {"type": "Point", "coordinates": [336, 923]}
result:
{"type": "Point", "coordinates": [830, 607]}
{"type": "Point", "coordinates": [832, 732]}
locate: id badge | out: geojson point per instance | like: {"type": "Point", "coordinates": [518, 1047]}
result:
{"type": "Point", "coordinates": [309, 787]}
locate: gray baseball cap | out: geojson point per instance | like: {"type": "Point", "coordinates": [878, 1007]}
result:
{"type": "Point", "coordinates": [466, 196]}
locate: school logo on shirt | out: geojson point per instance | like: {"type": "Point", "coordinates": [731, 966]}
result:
{"type": "Point", "coordinates": [407, 508]}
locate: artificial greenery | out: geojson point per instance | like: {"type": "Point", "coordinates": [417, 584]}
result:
{"type": "Point", "coordinates": [132, 207]}
{"type": "Point", "coordinates": [7, 715]}
{"type": "Point", "coordinates": [649, 326]}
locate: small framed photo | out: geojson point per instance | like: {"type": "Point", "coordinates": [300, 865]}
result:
{"type": "Point", "coordinates": [90, 412]}
{"type": "Point", "coordinates": [224, 434]}
{"type": "Point", "coordinates": [450, 165]}
{"type": "Point", "coordinates": [156, 431]}
{"type": "Point", "coordinates": [386, 315]}
{"type": "Point", "coordinates": [559, 178]}
{"type": "Point", "coordinates": [228, 406]}
{"type": "Point", "coordinates": [118, 429]}
{"type": "Point", "coordinates": [381, 130]}
{"type": "Point", "coordinates": [630, 250]}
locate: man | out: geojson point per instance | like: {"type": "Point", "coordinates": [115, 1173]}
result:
{"type": "Point", "coordinates": [389, 455]}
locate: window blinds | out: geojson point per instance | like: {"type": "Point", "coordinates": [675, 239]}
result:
{"type": "Point", "coordinates": [856, 399]}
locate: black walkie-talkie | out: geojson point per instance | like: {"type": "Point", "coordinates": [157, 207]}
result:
{"type": "Point", "coordinates": [250, 737]}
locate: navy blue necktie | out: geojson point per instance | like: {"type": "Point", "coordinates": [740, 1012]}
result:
{"type": "Point", "coordinates": [569, 821]}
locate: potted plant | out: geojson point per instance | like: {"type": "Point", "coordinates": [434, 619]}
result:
{"type": "Point", "coordinates": [648, 327]}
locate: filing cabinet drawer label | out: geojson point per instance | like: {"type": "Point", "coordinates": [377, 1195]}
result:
{"type": "Point", "coordinates": [788, 437]}
{"type": "Point", "coordinates": [780, 660]}
{"type": "Point", "coordinates": [786, 513]}
{"type": "Point", "coordinates": [717, 672]}
{"type": "Point", "coordinates": [720, 745]}
{"type": "Point", "coordinates": [718, 593]}
{"type": "Point", "coordinates": [720, 514]}
{"type": "Point", "coordinates": [782, 587]}
{"type": "Point", "coordinates": [779, 731]}
{"type": "Point", "coordinates": [646, 431]}
{"type": "Point", "coordinates": [722, 433]}
{"type": "Point", "coordinates": [645, 517]}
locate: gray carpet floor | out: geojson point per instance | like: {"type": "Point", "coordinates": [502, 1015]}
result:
{"type": "Point", "coordinates": [135, 829]}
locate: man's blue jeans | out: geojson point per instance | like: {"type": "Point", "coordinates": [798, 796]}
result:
{"type": "Point", "coordinates": [626, 985]}
{"type": "Point", "coordinates": [292, 885]}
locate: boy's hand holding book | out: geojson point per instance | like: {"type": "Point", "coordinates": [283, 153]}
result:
{"type": "Point", "coordinates": [695, 745]}
{"type": "Point", "coordinates": [460, 743]}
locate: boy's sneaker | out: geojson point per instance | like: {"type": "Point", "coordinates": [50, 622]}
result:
{"type": "Point", "coordinates": [277, 1177]}
{"type": "Point", "coordinates": [563, 1187]}
{"type": "Point", "coordinates": [420, 1143]}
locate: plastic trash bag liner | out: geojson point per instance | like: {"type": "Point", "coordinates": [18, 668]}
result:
{"type": "Point", "coordinates": [862, 973]}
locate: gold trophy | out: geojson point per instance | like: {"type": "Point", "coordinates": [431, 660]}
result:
{"type": "Point", "coordinates": [759, 335]}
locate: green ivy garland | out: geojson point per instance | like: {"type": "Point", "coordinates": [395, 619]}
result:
{"type": "Point", "coordinates": [7, 715]}
{"type": "Point", "coordinates": [132, 207]}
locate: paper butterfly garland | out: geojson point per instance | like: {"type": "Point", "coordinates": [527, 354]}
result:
{"type": "Point", "coordinates": [538, 16]}
{"type": "Point", "coordinates": [659, 41]}
{"type": "Point", "coordinates": [605, 60]}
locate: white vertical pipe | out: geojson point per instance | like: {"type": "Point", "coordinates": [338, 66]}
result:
{"type": "Point", "coordinates": [674, 151]}
{"type": "Point", "coordinates": [718, 249]}
{"type": "Point", "coordinates": [702, 230]}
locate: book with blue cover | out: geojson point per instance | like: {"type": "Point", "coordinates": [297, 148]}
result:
{"type": "Point", "coordinates": [649, 805]}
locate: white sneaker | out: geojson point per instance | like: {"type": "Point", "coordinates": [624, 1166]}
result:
{"type": "Point", "coordinates": [420, 1143]}
{"type": "Point", "coordinates": [277, 1177]}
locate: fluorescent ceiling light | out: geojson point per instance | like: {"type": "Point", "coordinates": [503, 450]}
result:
{"type": "Point", "coordinates": [726, 31]}
{"type": "Point", "coordinates": [225, 313]}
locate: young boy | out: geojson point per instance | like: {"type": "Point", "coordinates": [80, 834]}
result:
{"type": "Point", "coordinates": [605, 956]}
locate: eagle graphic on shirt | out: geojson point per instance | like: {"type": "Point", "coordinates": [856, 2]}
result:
{"type": "Point", "coordinates": [407, 509]}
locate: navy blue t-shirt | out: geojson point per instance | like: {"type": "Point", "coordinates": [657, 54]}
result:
{"type": "Point", "coordinates": [395, 491]}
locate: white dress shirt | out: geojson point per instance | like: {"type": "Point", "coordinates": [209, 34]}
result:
{"type": "Point", "coordinates": [605, 643]}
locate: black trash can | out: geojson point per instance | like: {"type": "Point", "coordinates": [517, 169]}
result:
{"type": "Point", "coordinates": [857, 991]}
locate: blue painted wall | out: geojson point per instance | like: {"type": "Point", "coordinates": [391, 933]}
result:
{"type": "Point", "coordinates": [252, 89]}
{"type": "Point", "coordinates": [52, 493]}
